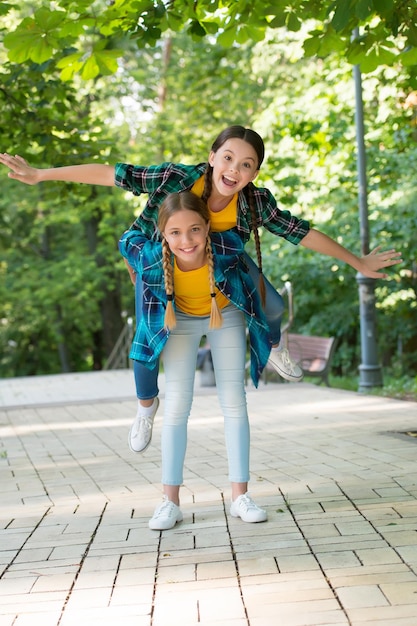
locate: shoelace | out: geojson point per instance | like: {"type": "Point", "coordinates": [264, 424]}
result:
{"type": "Point", "coordinates": [248, 503]}
{"type": "Point", "coordinates": [145, 424]}
{"type": "Point", "coordinates": [287, 360]}
{"type": "Point", "coordinates": [166, 508]}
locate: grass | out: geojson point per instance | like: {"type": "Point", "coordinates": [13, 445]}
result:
{"type": "Point", "coordinates": [394, 386]}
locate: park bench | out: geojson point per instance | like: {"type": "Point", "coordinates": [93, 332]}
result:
{"type": "Point", "coordinates": [313, 354]}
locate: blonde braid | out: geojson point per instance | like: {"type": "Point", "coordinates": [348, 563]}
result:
{"type": "Point", "coordinates": [262, 289]}
{"type": "Point", "coordinates": [216, 318]}
{"type": "Point", "coordinates": [170, 320]}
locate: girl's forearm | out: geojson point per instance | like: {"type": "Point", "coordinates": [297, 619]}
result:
{"type": "Point", "coordinates": [369, 265]}
{"type": "Point", "coordinates": [319, 242]}
{"type": "Point", "coordinates": [91, 174]}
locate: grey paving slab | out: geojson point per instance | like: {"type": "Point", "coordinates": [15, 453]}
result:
{"type": "Point", "coordinates": [334, 470]}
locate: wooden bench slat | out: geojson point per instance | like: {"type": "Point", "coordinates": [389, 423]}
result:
{"type": "Point", "coordinates": [313, 353]}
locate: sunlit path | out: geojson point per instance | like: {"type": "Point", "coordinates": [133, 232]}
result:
{"type": "Point", "coordinates": [332, 468]}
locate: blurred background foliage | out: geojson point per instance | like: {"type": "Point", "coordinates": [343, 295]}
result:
{"type": "Point", "coordinates": [64, 291]}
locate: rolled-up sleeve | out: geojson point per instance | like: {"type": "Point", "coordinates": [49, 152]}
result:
{"type": "Point", "coordinates": [139, 179]}
{"type": "Point", "coordinates": [281, 223]}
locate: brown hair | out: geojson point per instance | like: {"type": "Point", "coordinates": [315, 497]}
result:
{"type": "Point", "coordinates": [172, 204]}
{"type": "Point", "coordinates": [256, 141]}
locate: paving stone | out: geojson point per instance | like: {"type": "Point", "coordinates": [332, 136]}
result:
{"type": "Point", "coordinates": [361, 596]}
{"type": "Point", "coordinates": [404, 593]}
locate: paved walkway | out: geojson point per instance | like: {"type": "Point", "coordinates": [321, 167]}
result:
{"type": "Point", "coordinates": [333, 469]}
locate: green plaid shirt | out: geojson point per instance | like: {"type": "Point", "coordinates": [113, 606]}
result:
{"type": "Point", "coordinates": [160, 180]}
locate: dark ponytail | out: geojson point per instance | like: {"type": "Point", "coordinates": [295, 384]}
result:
{"type": "Point", "coordinates": [256, 141]}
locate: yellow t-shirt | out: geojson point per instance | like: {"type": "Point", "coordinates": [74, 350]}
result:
{"type": "Point", "coordinates": [192, 291]}
{"type": "Point", "coordinates": [219, 220]}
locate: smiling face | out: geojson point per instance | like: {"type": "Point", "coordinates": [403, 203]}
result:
{"type": "Point", "coordinates": [186, 234]}
{"type": "Point", "coordinates": [235, 164]}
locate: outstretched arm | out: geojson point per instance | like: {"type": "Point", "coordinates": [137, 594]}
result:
{"type": "Point", "coordinates": [91, 174]}
{"type": "Point", "coordinates": [368, 265]}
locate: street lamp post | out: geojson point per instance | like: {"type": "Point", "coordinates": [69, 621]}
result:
{"type": "Point", "coordinates": [370, 372]}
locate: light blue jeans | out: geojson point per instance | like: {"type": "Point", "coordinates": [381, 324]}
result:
{"type": "Point", "coordinates": [228, 349]}
{"type": "Point", "coordinates": [146, 380]}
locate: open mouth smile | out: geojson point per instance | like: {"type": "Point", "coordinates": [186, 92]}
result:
{"type": "Point", "coordinates": [228, 181]}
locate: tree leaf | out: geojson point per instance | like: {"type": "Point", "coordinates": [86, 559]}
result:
{"type": "Point", "coordinates": [409, 57]}
{"type": "Point", "coordinates": [5, 8]}
{"type": "Point", "coordinates": [293, 22]}
{"type": "Point", "coordinates": [227, 37]}
{"type": "Point", "coordinates": [364, 8]}
{"type": "Point", "coordinates": [107, 61]}
{"type": "Point", "coordinates": [342, 15]}
{"type": "Point", "coordinates": [90, 68]}
{"type": "Point", "coordinates": [35, 38]}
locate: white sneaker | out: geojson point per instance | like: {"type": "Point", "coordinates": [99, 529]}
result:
{"type": "Point", "coordinates": [140, 433]}
{"type": "Point", "coordinates": [245, 508]}
{"type": "Point", "coordinates": [286, 368]}
{"type": "Point", "coordinates": [166, 516]}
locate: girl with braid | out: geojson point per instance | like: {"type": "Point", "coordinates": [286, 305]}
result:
{"type": "Point", "coordinates": [225, 182]}
{"type": "Point", "coordinates": [195, 285]}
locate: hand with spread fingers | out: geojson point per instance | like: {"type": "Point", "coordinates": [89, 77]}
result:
{"type": "Point", "coordinates": [376, 260]}
{"type": "Point", "coordinates": [20, 169]}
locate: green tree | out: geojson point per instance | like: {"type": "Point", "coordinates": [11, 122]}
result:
{"type": "Point", "coordinates": [168, 102]}
{"type": "Point", "coordinates": [311, 166]}
{"type": "Point", "coordinates": [80, 36]}
{"type": "Point", "coordinates": [60, 289]}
